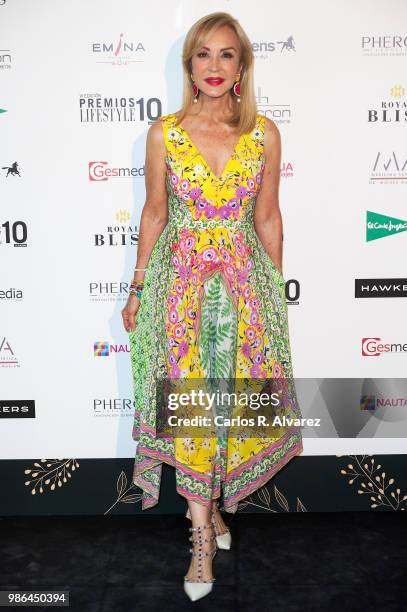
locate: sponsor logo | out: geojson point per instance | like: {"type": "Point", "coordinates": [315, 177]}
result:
{"type": "Point", "coordinates": [380, 287]}
{"type": "Point", "coordinates": [120, 234]}
{"type": "Point", "coordinates": [263, 49]}
{"type": "Point", "coordinates": [8, 358]}
{"type": "Point", "coordinates": [13, 233]}
{"type": "Point", "coordinates": [17, 409]}
{"type": "Point", "coordinates": [113, 407]}
{"type": "Point", "coordinates": [121, 52]}
{"type": "Point", "coordinates": [11, 294]}
{"type": "Point", "coordinates": [105, 348]}
{"type": "Point", "coordinates": [98, 108]}
{"type": "Point", "coordinates": [384, 45]}
{"type": "Point", "coordinates": [389, 169]}
{"type": "Point", "coordinates": [101, 171]}
{"type": "Point", "coordinates": [12, 170]}
{"type": "Point", "coordinates": [108, 291]}
{"type": "Point", "coordinates": [287, 170]}
{"type": "Point", "coordinates": [372, 402]}
{"type": "Point", "coordinates": [374, 347]}
{"type": "Point", "coordinates": [380, 226]}
{"type": "Point", "coordinates": [279, 113]}
{"type": "Point", "coordinates": [5, 59]}
{"type": "Point", "coordinates": [390, 111]}
{"type": "Point", "coordinates": [292, 292]}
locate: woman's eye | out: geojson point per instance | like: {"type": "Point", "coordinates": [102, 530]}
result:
{"type": "Point", "coordinates": [226, 54]}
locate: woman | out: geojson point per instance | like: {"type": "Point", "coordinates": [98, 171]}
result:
{"type": "Point", "coordinates": [208, 293]}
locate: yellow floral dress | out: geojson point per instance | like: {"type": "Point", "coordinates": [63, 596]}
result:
{"type": "Point", "coordinates": [213, 307]}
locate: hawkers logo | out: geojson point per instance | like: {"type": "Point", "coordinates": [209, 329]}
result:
{"type": "Point", "coordinates": [17, 409]}
{"type": "Point", "coordinates": [380, 287]}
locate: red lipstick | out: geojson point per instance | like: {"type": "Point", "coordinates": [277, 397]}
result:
{"type": "Point", "coordinates": [214, 81]}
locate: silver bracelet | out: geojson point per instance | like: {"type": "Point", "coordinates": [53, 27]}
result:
{"type": "Point", "coordinates": [141, 269]}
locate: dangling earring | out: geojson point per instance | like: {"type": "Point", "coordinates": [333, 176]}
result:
{"type": "Point", "coordinates": [195, 90]}
{"type": "Point", "coordinates": [236, 88]}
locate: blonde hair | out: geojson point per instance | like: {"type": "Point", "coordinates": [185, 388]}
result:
{"type": "Point", "coordinates": [244, 113]}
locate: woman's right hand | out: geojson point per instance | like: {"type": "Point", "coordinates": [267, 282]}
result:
{"type": "Point", "coordinates": [129, 312]}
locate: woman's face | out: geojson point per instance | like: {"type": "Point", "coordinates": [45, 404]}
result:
{"type": "Point", "coordinates": [216, 64]}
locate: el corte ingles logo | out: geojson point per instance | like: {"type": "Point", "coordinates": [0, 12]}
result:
{"type": "Point", "coordinates": [379, 226]}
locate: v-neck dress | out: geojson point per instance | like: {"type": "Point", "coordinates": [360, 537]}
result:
{"type": "Point", "coordinates": [213, 308]}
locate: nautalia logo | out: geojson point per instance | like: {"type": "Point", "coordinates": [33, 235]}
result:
{"type": "Point", "coordinates": [379, 226]}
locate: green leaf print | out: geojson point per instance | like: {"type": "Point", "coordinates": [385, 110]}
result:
{"type": "Point", "coordinates": [218, 333]}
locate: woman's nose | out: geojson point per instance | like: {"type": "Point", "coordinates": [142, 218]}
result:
{"type": "Point", "coordinates": [213, 64]}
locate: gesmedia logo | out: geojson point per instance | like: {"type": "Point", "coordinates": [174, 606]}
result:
{"type": "Point", "coordinates": [374, 347]}
{"type": "Point", "coordinates": [99, 171]}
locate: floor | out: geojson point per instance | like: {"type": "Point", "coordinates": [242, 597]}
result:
{"type": "Point", "coordinates": [293, 561]}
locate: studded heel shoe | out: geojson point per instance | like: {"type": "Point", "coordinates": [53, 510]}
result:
{"type": "Point", "coordinates": [223, 539]}
{"type": "Point", "coordinates": [196, 589]}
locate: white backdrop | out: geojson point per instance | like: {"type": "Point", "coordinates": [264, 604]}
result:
{"type": "Point", "coordinates": [80, 82]}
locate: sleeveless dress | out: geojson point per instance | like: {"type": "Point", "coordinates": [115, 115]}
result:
{"type": "Point", "coordinates": [213, 305]}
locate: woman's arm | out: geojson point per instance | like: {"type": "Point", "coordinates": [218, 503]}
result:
{"type": "Point", "coordinates": [267, 215]}
{"type": "Point", "coordinates": [154, 215]}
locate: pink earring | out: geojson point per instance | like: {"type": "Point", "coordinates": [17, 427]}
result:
{"type": "Point", "coordinates": [195, 90]}
{"type": "Point", "coordinates": [236, 88]}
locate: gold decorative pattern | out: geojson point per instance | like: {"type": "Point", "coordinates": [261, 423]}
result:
{"type": "Point", "coordinates": [52, 473]}
{"type": "Point", "coordinates": [122, 492]}
{"type": "Point", "coordinates": [381, 489]}
{"type": "Point", "coordinates": [262, 499]}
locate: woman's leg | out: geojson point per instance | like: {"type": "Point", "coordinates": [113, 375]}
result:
{"type": "Point", "coordinates": [201, 515]}
{"type": "Point", "coordinates": [217, 518]}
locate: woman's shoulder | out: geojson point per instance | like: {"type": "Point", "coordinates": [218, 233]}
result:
{"type": "Point", "coordinates": [156, 126]}
{"type": "Point", "coordinates": [268, 124]}
{"type": "Point", "coordinates": [169, 119]}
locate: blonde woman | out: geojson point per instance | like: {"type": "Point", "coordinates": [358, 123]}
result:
{"type": "Point", "coordinates": [208, 294]}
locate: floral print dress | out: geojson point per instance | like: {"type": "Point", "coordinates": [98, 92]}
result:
{"type": "Point", "coordinates": [213, 307]}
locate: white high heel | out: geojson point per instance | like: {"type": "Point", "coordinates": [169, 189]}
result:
{"type": "Point", "coordinates": [223, 540]}
{"type": "Point", "coordinates": [196, 589]}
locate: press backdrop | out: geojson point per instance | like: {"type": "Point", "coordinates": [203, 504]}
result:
{"type": "Point", "coordinates": [80, 83]}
